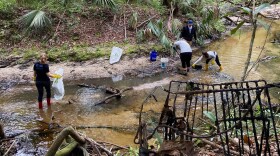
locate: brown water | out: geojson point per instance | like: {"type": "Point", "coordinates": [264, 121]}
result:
{"type": "Point", "coordinates": [20, 113]}
{"type": "Point", "coordinates": [233, 53]}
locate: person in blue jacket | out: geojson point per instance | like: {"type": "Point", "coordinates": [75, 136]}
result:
{"type": "Point", "coordinates": [42, 80]}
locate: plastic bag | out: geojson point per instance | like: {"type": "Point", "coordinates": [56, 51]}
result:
{"type": "Point", "coordinates": [58, 86]}
{"type": "Point", "coordinates": [115, 55]}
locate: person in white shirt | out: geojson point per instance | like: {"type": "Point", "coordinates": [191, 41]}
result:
{"type": "Point", "coordinates": [185, 53]}
{"type": "Point", "coordinates": [209, 55]}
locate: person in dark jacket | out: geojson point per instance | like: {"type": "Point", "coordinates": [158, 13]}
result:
{"type": "Point", "coordinates": [189, 32]}
{"type": "Point", "coordinates": [42, 80]}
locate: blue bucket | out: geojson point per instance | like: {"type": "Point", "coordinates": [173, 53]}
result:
{"type": "Point", "coordinates": [153, 55]}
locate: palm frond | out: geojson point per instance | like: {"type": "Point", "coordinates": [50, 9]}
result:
{"type": "Point", "coordinates": [36, 19]}
{"type": "Point", "coordinates": [133, 20]}
{"type": "Point", "coordinates": [105, 3]}
{"type": "Point", "coordinates": [155, 29]}
{"type": "Point", "coordinates": [165, 41]}
{"type": "Point", "coordinates": [140, 35]}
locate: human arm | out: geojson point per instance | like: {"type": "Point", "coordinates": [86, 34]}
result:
{"type": "Point", "coordinates": [198, 60]}
{"type": "Point", "coordinates": [34, 75]}
{"type": "Point", "coordinates": [194, 34]}
{"type": "Point", "coordinates": [51, 74]}
{"type": "Point", "coordinates": [57, 76]}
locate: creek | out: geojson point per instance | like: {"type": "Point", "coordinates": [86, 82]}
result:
{"type": "Point", "coordinates": [19, 112]}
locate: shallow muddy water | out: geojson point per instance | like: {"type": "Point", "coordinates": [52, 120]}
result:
{"type": "Point", "coordinates": [118, 119]}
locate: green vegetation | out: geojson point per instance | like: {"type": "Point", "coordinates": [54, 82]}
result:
{"type": "Point", "coordinates": [44, 20]}
{"type": "Point", "coordinates": [81, 52]}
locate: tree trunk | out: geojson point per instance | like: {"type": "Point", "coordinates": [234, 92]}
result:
{"type": "Point", "coordinates": [250, 50]}
{"type": "Point", "coordinates": [62, 135]}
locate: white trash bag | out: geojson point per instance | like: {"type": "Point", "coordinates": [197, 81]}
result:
{"type": "Point", "coordinates": [58, 86]}
{"type": "Point", "coordinates": [115, 55]}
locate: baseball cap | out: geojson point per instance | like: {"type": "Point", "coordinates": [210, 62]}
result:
{"type": "Point", "coordinates": [190, 22]}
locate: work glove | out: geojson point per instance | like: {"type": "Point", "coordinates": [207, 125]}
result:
{"type": "Point", "coordinates": [221, 68]}
{"type": "Point", "coordinates": [206, 67]}
{"type": "Point", "coordinates": [57, 76]}
{"type": "Point", "coordinates": [212, 61]}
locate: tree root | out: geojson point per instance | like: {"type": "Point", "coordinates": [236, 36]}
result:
{"type": "Point", "coordinates": [61, 136]}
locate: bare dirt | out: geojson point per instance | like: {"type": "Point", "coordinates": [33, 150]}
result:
{"type": "Point", "coordinates": [96, 68]}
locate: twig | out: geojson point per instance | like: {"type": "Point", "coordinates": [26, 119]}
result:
{"type": "Point", "coordinates": [124, 26]}
{"type": "Point", "coordinates": [94, 146]}
{"type": "Point", "coordinates": [10, 148]}
{"type": "Point", "coordinates": [258, 59]}
{"type": "Point", "coordinates": [112, 144]}
{"type": "Point", "coordinates": [146, 21]}
{"type": "Point", "coordinates": [97, 144]}
{"type": "Point", "coordinates": [227, 18]}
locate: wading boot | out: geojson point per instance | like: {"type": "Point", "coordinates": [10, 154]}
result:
{"type": "Point", "coordinates": [49, 101]}
{"type": "Point", "coordinates": [221, 68]}
{"type": "Point", "coordinates": [40, 105]}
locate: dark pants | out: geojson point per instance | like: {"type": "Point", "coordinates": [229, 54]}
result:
{"type": "Point", "coordinates": [186, 59]}
{"type": "Point", "coordinates": [217, 61]}
{"type": "Point", "coordinates": [40, 87]}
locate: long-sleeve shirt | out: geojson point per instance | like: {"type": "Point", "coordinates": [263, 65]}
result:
{"type": "Point", "coordinates": [211, 55]}
{"type": "Point", "coordinates": [188, 33]}
{"type": "Point", "coordinates": [183, 45]}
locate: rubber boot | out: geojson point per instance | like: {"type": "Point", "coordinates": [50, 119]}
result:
{"type": "Point", "coordinates": [206, 67]}
{"type": "Point", "coordinates": [221, 68]}
{"type": "Point", "coordinates": [49, 101]}
{"type": "Point", "coordinates": [40, 105]}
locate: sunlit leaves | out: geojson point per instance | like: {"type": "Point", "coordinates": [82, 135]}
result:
{"type": "Point", "coordinates": [260, 8]}
{"type": "Point", "coordinates": [36, 19]}
{"type": "Point", "coordinates": [233, 31]}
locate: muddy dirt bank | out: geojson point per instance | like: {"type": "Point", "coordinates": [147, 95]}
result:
{"type": "Point", "coordinates": [128, 66]}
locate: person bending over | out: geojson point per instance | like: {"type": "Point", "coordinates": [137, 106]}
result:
{"type": "Point", "coordinates": [185, 53]}
{"type": "Point", "coordinates": [209, 55]}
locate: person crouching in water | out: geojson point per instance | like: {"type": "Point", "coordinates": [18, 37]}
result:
{"type": "Point", "coordinates": [209, 55]}
{"type": "Point", "coordinates": [185, 53]}
{"type": "Point", "coordinates": [42, 80]}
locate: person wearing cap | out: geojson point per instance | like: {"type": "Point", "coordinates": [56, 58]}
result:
{"type": "Point", "coordinates": [185, 53]}
{"type": "Point", "coordinates": [189, 32]}
{"type": "Point", "coordinates": [209, 55]}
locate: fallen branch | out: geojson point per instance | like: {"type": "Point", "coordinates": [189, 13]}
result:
{"type": "Point", "coordinates": [62, 135]}
{"type": "Point", "coordinates": [87, 86]}
{"type": "Point", "coordinates": [6, 153]}
{"type": "Point", "coordinates": [217, 146]}
{"type": "Point", "coordinates": [126, 148]}
{"type": "Point", "coordinates": [229, 19]}
{"type": "Point", "coordinates": [99, 146]}
{"type": "Point", "coordinates": [68, 149]}
{"type": "Point", "coordinates": [146, 21]}
{"type": "Point", "coordinates": [118, 95]}
{"type": "Point", "coordinates": [246, 148]}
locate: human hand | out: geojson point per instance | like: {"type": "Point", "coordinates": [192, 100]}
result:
{"type": "Point", "coordinates": [57, 76]}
